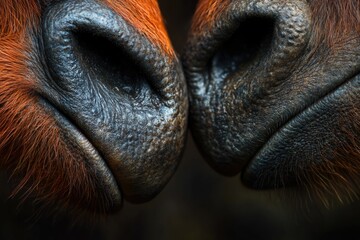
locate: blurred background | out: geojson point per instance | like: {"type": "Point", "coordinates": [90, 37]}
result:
{"type": "Point", "coordinates": [196, 204]}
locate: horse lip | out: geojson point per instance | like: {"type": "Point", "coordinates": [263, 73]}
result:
{"type": "Point", "coordinates": [94, 158]}
{"type": "Point", "coordinates": [249, 178]}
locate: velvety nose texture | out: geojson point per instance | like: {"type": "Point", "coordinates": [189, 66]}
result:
{"type": "Point", "coordinates": [271, 100]}
{"type": "Point", "coordinates": [233, 65]}
{"type": "Point", "coordinates": [120, 90]}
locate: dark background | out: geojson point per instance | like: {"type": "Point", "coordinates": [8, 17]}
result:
{"type": "Point", "coordinates": [196, 204]}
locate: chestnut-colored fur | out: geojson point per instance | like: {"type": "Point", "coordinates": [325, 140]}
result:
{"type": "Point", "coordinates": [31, 146]}
{"type": "Point", "coordinates": [207, 12]}
{"type": "Point", "coordinates": [334, 24]}
{"type": "Point", "coordinates": [334, 21]}
{"type": "Point", "coordinates": [30, 142]}
{"type": "Point", "coordinates": [145, 16]}
{"type": "Point", "coordinates": [337, 178]}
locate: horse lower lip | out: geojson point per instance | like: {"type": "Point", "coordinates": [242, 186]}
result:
{"type": "Point", "coordinates": [74, 136]}
{"type": "Point", "coordinates": [274, 158]}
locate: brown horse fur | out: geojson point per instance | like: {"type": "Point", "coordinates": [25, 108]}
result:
{"type": "Point", "coordinates": [30, 141]}
{"type": "Point", "coordinates": [145, 16]}
{"type": "Point", "coordinates": [336, 180]}
{"type": "Point", "coordinates": [334, 22]}
{"type": "Point", "coordinates": [207, 12]}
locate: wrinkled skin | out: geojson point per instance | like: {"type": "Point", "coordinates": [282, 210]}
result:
{"type": "Point", "coordinates": [271, 101]}
{"type": "Point", "coordinates": [118, 99]}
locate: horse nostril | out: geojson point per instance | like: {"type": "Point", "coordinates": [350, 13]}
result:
{"type": "Point", "coordinates": [252, 38]}
{"type": "Point", "coordinates": [107, 62]}
{"type": "Point", "coordinates": [98, 48]}
{"type": "Point", "coordinates": [269, 36]}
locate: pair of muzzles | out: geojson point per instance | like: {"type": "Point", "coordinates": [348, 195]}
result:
{"type": "Point", "coordinates": [95, 104]}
